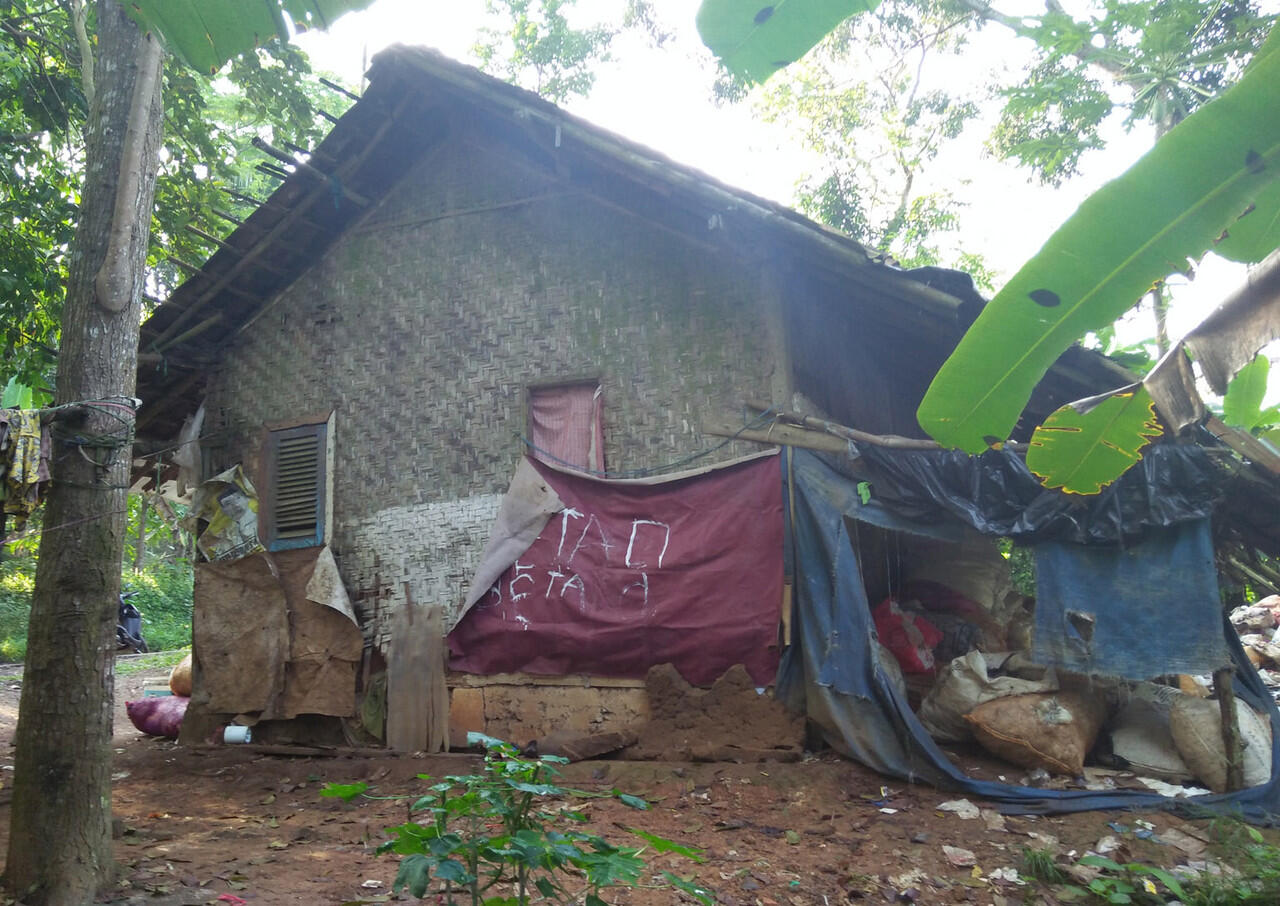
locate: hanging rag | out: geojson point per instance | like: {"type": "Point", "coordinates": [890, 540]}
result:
{"type": "Point", "coordinates": [24, 463]}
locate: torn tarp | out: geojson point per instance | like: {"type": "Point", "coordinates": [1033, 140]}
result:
{"type": "Point", "coordinates": [275, 636]}
{"type": "Point", "coordinates": [998, 495]}
{"type": "Point", "coordinates": [631, 574]}
{"type": "Point", "coordinates": [833, 671]}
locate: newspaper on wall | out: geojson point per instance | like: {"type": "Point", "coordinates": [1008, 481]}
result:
{"type": "Point", "coordinates": [224, 516]}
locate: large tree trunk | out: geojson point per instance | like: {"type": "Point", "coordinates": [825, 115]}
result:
{"type": "Point", "coordinates": [60, 825]}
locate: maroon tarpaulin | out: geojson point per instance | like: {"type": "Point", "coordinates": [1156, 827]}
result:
{"type": "Point", "coordinates": [631, 575]}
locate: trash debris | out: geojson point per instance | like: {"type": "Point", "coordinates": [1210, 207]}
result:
{"type": "Point", "coordinates": [1107, 844]}
{"type": "Point", "coordinates": [913, 878]}
{"type": "Point", "coordinates": [960, 858]}
{"type": "Point", "coordinates": [963, 808]}
{"type": "Point", "coordinates": [993, 820]}
{"type": "Point", "coordinates": [1172, 790]}
{"type": "Point", "coordinates": [1037, 778]}
{"type": "Point", "coordinates": [1191, 846]}
{"type": "Point", "coordinates": [1009, 875]}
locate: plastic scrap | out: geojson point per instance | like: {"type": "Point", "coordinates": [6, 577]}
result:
{"type": "Point", "coordinates": [962, 807]}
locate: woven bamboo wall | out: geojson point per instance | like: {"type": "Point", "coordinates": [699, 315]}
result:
{"type": "Point", "coordinates": [423, 327]}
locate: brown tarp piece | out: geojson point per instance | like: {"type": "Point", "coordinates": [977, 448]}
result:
{"type": "Point", "coordinates": [266, 646]}
{"type": "Point", "coordinates": [240, 635]}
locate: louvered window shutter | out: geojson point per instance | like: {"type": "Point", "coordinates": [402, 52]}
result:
{"type": "Point", "coordinates": [296, 518]}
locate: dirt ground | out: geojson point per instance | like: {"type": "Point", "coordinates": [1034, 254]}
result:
{"type": "Point", "coordinates": [228, 824]}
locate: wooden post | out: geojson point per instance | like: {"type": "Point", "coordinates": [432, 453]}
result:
{"type": "Point", "coordinates": [1230, 731]}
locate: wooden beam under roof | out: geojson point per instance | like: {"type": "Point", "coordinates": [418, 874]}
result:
{"type": "Point", "coordinates": [286, 221]}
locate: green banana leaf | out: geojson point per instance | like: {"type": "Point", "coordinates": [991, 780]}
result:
{"type": "Point", "coordinates": [1167, 208]}
{"type": "Point", "coordinates": [1242, 406]}
{"type": "Point", "coordinates": [755, 39]}
{"type": "Point", "coordinates": [1081, 452]}
{"type": "Point", "coordinates": [207, 33]}
{"type": "Point", "coordinates": [1257, 233]}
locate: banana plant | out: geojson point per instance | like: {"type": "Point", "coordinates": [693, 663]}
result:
{"type": "Point", "coordinates": [1210, 183]}
{"type": "Point", "coordinates": [1200, 184]}
{"type": "Point", "coordinates": [205, 34]}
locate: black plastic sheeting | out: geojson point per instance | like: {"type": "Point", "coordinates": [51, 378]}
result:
{"type": "Point", "coordinates": [998, 495]}
{"type": "Point", "coordinates": [832, 667]}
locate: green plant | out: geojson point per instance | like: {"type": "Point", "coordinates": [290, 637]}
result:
{"type": "Point", "coordinates": [1129, 883]}
{"type": "Point", "coordinates": [1042, 865]}
{"type": "Point", "coordinates": [1255, 878]}
{"type": "Point", "coordinates": [494, 838]}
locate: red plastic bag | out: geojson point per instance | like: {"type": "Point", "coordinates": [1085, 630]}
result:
{"type": "Point", "coordinates": [159, 716]}
{"type": "Point", "coordinates": [909, 636]}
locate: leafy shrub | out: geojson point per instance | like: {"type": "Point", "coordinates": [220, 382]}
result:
{"type": "Point", "coordinates": [492, 839]}
{"type": "Point", "coordinates": [164, 595]}
{"type": "Point", "coordinates": [17, 580]}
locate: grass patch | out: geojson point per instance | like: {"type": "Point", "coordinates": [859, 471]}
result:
{"type": "Point", "coordinates": [156, 660]}
{"type": "Point", "coordinates": [1042, 865]}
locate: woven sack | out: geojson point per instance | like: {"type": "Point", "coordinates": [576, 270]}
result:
{"type": "Point", "coordinates": [964, 684]}
{"type": "Point", "coordinates": [159, 716]}
{"type": "Point", "coordinates": [1196, 724]}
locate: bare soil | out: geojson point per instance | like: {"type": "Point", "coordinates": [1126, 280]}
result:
{"type": "Point", "coordinates": [228, 824]}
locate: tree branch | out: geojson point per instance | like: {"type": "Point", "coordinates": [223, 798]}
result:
{"type": "Point", "coordinates": [114, 286]}
{"type": "Point", "coordinates": [1087, 53]}
{"type": "Point", "coordinates": [86, 49]}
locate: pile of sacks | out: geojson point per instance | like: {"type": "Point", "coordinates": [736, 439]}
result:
{"type": "Point", "coordinates": [1031, 716]}
{"type": "Point", "coordinates": [1258, 626]}
{"type": "Point", "coordinates": [161, 715]}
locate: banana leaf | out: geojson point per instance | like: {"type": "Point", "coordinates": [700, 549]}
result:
{"type": "Point", "coordinates": [756, 39]}
{"type": "Point", "coordinates": [1167, 208]}
{"type": "Point", "coordinates": [207, 33]}
{"type": "Point", "coordinates": [1242, 406]}
{"type": "Point", "coordinates": [1086, 445]}
{"type": "Point", "coordinates": [1257, 233]}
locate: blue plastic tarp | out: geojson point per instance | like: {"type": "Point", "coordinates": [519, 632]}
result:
{"type": "Point", "coordinates": [832, 668]}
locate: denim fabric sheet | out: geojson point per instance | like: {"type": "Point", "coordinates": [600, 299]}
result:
{"type": "Point", "coordinates": [1138, 611]}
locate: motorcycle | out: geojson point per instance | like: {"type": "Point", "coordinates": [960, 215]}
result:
{"type": "Point", "coordinates": [129, 626]}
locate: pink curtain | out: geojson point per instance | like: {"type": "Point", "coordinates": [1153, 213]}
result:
{"type": "Point", "coordinates": [565, 425]}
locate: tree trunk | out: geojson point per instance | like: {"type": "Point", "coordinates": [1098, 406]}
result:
{"type": "Point", "coordinates": [60, 828]}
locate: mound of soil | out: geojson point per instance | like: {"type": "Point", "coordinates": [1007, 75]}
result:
{"type": "Point", "coordinates": [728, 722]}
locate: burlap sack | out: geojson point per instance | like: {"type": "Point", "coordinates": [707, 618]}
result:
{"type": "Point", "coordinates": [1050, 730]}
{"type": "Point", "coordinates": [1196, 724]}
